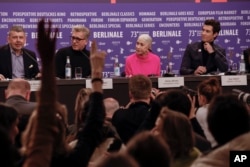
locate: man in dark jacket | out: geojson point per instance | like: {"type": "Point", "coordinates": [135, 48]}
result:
{"type": "Point", "coordinates": [18, 95]}
{"type": "Point", "coordinates": [128, 120]}
{"type": "Point", "coordinates": [205, 56]}
{"type": "Point", "coordinates": [15, 60]}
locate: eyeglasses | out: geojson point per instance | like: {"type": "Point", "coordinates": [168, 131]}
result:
{"type": "Point", "coordinates": [76, 38]}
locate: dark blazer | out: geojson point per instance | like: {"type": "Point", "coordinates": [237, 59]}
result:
{"type": "Point", "coordinates": [29, 59]}
{"type": "Point", "coordinates": [24, 109]}
{"type": "Point", "coordinates": [193, 58]}
{"type": "Point", "coordinates": [127, 121]}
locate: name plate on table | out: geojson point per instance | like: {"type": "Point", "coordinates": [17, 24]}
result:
{"type": "Point", "coordinates": [233, 80]}
{"type": "Point", "coordinates": [35, 85]}
{"type": "Point", "coordinates": [170, 82]}
{"type": "Point", "coordinates": [107, 83]}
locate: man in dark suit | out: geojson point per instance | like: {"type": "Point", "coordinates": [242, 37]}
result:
{"type": "Point", "coordinates": [17, 95]}
{"type": "Point", "coordinates": [128, 120]}
{"type": "Point", "coordinates": [15, 60]}
{"type": "Point", "coordinates": [205, 56]}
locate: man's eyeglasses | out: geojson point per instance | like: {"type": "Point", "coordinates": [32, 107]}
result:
{"type": "Point", "coordinates": [76, 38]}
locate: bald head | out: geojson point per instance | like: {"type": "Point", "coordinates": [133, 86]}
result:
{"type": "Point", "coordinates": [18, 86]}
{"type": "Point", "coordinates": [111, 105]}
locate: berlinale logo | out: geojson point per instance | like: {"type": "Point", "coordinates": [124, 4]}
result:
{"type": "Point", "coordinates": [239, 158]}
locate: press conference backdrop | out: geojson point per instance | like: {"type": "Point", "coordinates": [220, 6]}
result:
{"type": "Point", "coordinates": [116, 24]}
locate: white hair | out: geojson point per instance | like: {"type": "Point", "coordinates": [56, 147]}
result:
{"type": "Point", "coordinates": [147, 38]}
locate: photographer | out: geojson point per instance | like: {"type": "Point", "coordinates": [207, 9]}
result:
{"type": "Point", "coordinates": [177, 100]}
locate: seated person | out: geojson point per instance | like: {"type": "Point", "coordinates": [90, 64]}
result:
{"type": "Point", "coordinates": [15, 60]}
{"type": "Point", "coordinates": [207, 90]}
{"type": "Point", "coordinates": [77, 52]}
{"type": "Point", "coordinates": [17, 95]}
{"type": "Point", "coordinates": [205, 56]}
{"type": "Point", "coordinates": [143, 61]}
{"type": "Point", "coordinates": [128, 120]}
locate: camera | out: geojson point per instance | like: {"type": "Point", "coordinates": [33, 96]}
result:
{"type": "Point", "coordinates": [242, 96]}
{"type": "Point", "coordinates": [192, 93]}
{"type": "Point", "coordinates": [189, 91]}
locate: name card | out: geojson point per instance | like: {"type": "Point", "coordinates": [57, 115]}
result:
{"type": "Point", "coordinates": [107, 83]}
{"type": "Point", "coordinates": [170, 82]}
{"type": "Point", "coordinates": [35, 85]}
{"type": "Point", "coordinates": [233, 80]}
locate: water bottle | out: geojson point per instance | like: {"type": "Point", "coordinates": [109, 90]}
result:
{"type": "Point", "coordinates": [117, 71]}
{"type": "Point", "coordinates": [242, 65]}
{"type": "Point", "coordinates": [68, 69]}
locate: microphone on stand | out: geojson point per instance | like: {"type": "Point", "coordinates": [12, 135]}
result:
{"type": "Point", "coordinates": [84, 54]}
{"type": "Point", "coordinates": [32, 58]}
{"type": "Point", "coordinates": [33, 75]}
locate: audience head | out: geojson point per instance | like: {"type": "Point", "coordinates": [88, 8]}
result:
{"type": "Point", "coordinates": [176, 130]}
{"type": "Point", "coordinates": [143, 44]}
{"type": "Point", "coordinates": [60, 146]}
{"type": "Point", "coordinates": [81, 99]}
{"type": "Point", "coordinates": [118, 159]}
{"type": "Point", "coordinates": [140, 87]}
{"type": "Point", "coordinates": [18, 86]}
{"type": "Point", "coordinates": [111, 105]}
{"type": "Point", "coordinates": [149, 150]}
{"type": "Point", "coordinates": [79, 37]}
{"type": "Point", "coordinates": [208, 89]}
{"type": "Point", "coordinates": [211, 28]}
{"type": "Point", "coordinates": [9, 120]}
{"type": "Point", "coordinates": [16, 38]}
{"type": "Point", "coordinates": [175, 100]}
{"type": "Point", "coordinates": [227, 118]}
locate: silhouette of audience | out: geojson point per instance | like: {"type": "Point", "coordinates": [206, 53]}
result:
{"type": "Point", "coordinates": [176, 130]}
{"type": "Point", "coordinates": [17, 95]}
{"type": "Point", "coordinates": [80, 103]}
{"type": "Point", "coordinates": [178, 101]}
{"type": "Point", "coordinates": [118, 159]}
{"type": "Point", "coordinates": [149, 150]}
{"type": "Point", "coordinates": [207, 90]}
{"type": "Point", "coordinates": [223, 113]}
{"type": "Point", "coordinates": [127, 120]}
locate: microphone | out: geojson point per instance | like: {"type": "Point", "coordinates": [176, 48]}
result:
{"type": "Point", "coordinates": [219, 52]}
{"type": "Point", "coordinates": [33, 75]}
{"type": "Point", "coordinates": [32, 58]}
{"type": "Point", "coordinates": [84, 54]}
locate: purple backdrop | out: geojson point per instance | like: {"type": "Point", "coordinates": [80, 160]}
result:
{"type": "Point", "coordinates": [116, 26]}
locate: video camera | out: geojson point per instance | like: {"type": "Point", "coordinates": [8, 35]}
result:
{"type": "Point", "coordinates": [242, 96]}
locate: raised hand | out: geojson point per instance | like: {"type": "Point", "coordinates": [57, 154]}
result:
{"type": "Point", "coordinates": [193, 107]}
{"type": "Point", "coordinates": [46, 42]}
{"type": "Point", "coordinates": [97, 58]}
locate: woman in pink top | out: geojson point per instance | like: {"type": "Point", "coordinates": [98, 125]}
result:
{"type": "Point", "coordinates": [143, 61]}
